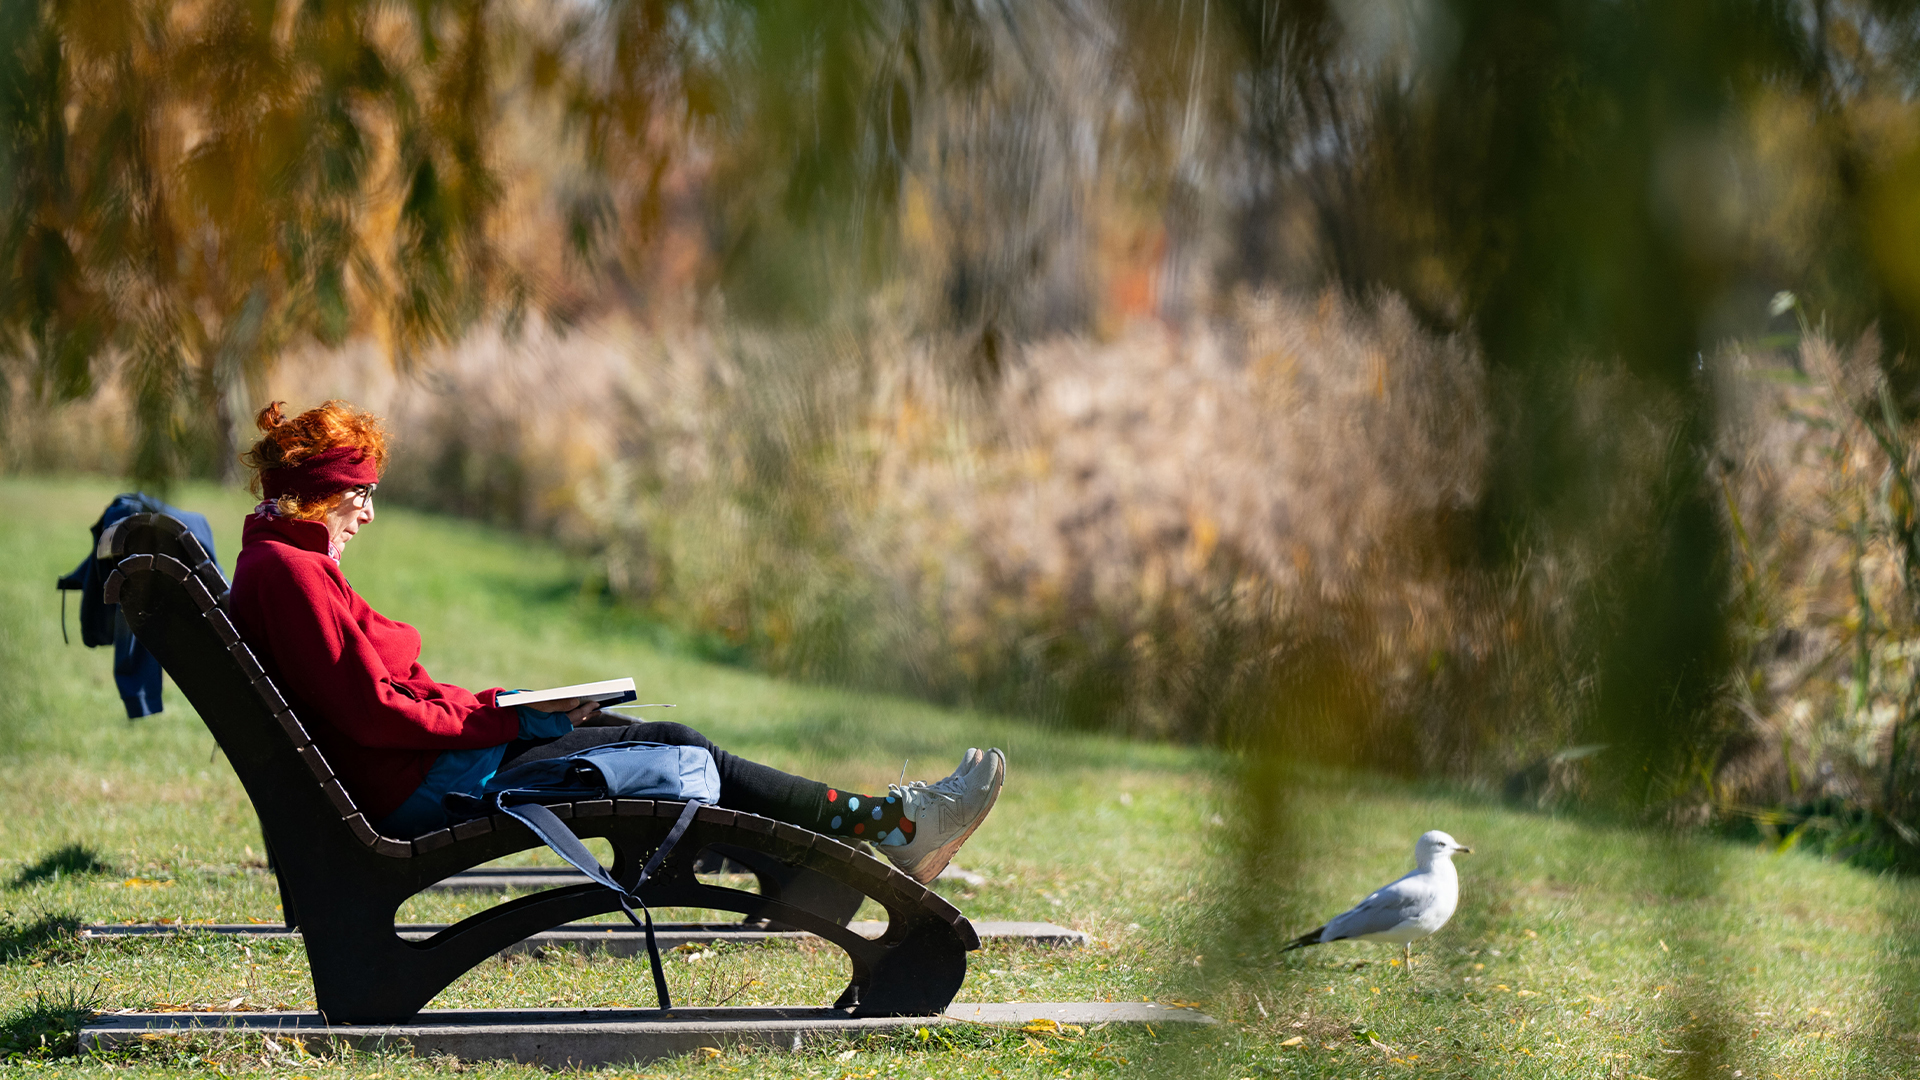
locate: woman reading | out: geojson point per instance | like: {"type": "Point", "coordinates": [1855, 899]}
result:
{"type": "Point", "coordinates": [401, 742]}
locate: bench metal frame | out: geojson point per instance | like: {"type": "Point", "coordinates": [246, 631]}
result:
{"type": "Point", "coordinates": [342, 883]}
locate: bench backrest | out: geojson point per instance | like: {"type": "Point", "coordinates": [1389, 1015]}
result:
{"type": "Point", "coordinates": [175, 600]}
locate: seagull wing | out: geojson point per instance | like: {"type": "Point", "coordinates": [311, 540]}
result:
{"type": "Point", "coordinates": [1387, 908]}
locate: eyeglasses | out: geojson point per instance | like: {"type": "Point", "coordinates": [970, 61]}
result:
{"type": "Point", "coordinates": [362, 495]}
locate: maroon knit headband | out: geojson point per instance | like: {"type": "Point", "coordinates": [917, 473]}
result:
{"type": "Point", "coordinates": [321, 475]}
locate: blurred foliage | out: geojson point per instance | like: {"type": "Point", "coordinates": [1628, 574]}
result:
{"type": "Point", "coordinates": [1595, 195]}
{"type": "Point", "coordinates": [185, 188]}
{"type": "Point", "coordinates": [1595, 188]}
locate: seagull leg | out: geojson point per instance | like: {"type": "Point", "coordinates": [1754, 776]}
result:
{"type": "Point", "coordinates": [1407, 948]}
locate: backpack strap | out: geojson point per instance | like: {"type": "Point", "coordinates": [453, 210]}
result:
{"type": "Point", "coordinates": [555, 834]}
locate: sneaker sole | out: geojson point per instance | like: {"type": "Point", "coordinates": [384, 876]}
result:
{"type": "Point", "coordinates": [939, 857]}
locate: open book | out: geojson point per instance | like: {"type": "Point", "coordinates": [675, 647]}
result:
{"type": "Point", "coordinates": [609, 692]}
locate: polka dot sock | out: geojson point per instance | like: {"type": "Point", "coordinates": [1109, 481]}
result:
{"type": "Point", "coordinates": [864, 817]}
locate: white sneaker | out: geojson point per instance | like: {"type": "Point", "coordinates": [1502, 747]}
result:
{"type": "Point", "coordinates": [943, 814]}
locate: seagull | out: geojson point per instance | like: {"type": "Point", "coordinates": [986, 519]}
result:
{"type": "Point", "coordinates": [1405, 911]}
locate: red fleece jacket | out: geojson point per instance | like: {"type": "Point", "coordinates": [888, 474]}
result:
{"type": "Point", "coordinates": [351, 674]}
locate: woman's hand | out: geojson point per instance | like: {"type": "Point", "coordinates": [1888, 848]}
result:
{"type": "Point", "coordinates": [604, 719]}
{"type": "Point", "coordinates": [559, 705]}
{"type": "Point", "coordinates": [578, 710]}
{"type": "Point", "coordinates": [582, 712]}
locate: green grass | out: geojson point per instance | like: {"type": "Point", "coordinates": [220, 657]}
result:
{"type": "Point", "coordinates": [1579, 949]}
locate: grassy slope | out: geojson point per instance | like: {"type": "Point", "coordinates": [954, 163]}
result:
{"type": "Point", "coordinates": [1579, 950]}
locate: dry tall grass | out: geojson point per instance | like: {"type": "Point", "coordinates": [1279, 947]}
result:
{"type": "Point", "coordinates": [1819, 470]}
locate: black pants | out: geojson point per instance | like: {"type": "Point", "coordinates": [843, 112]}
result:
{"type": "Point", "coordinates": [744, 785]}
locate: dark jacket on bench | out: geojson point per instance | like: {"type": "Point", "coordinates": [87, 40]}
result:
{"type": "Point", "coordinates": [352, 674]}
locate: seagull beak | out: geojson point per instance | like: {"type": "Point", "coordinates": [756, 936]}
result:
{"type": "Point", "coordinates": [1464, 850]}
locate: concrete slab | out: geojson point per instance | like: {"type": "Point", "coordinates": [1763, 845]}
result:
{"type": "Point", "coordinates": [587, 937]}
{"type": "Point", "coordinates": [590, 1038]}
{"type": "Point", "coordinates": [1083, 1013]}
{"type": "Point", "coordinates": [1044, 934]}
{"type": "Point", "coordinates": [504, 878]}
{"type": "Point", "coordinates": [617, 940]}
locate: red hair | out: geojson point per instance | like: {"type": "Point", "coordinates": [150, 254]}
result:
{"type": "Point", "coordinates": [288, 442]}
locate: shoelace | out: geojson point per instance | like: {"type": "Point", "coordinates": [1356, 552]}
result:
{"type": "Point", "coordinates": [920, 787]}
{"type": "Point", "coordinates": [947, 787]}
{"type": "Point", "coordinates": [899, 788]}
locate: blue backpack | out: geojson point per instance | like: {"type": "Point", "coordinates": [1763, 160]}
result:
{"type": "Point", "coordinates": [135, 671]}
{"type": "Point", "coordinates": [631, 770]}
{"type": "Point", "coordinates": [624, 770]}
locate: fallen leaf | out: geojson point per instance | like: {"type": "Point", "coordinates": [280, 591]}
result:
{"type": "Point", "coordinates": [1295, 1041]}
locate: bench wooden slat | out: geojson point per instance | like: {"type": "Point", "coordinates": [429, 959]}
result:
{"type": "Point", "coordinates": [223, 626]}
{"type": "Point", "coordinates": [341, 801]}
{"type": "Point", "coordinates": [362, 828]}
{"type": "Point", "coordinates": [202, 598]}
{"type": "Point", "coordinates": [433, 841]}
{"type": "Point", "coordinates": [290, 724]}
{"type": "Point", "coordinates": [871, 872]}
{"type": "Point", "coordinates": [249, 664]}
{"type": "Point", "coordinates": [317, 762]}
{"type": "Point", "coordinates": [468, 830]}
{"type": "Point", "coordinates": [269, 693]}
{"type": "Point", "coordinates": [939, 905]}
{"type": "Point", "coordinates": [834, 849]}
{"type": "Point", "coordinates": [794, 834]}
{"type": "Point", "coordinates": [190, 546]}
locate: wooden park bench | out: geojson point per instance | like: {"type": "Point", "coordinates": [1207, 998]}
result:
{"type": "Point", "coordinates": [342, 883]}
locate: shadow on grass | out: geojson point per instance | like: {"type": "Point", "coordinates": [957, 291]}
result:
{"type": "Point", "coordinates": [37, 938]}
{"type": "Point", "coordinates": [47, 1027]}
{"type": "Point", "coordinates": [74, 859]}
